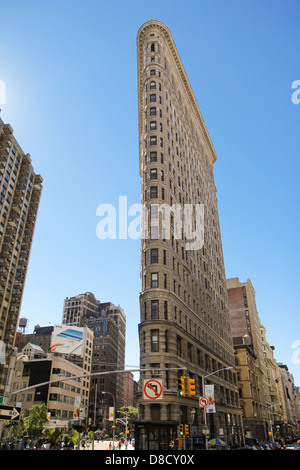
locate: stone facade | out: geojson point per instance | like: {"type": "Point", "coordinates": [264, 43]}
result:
{"type": "Point", "coordinates": [245, 325]}
{"type": "Point", "coordinates": [183, 302]}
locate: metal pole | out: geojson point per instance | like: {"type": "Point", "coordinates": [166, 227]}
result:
{"type": "Point", "coordinates": [113, 417]}
{"type": "Point", "coordinates": [96, 390]}
{"type": "Point", "coordinates": [204, 409]}
{"type": "Point", "coordinates": [122, 371]}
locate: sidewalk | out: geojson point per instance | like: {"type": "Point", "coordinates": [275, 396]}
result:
{"type": "Point", "coordinates": [104, 445]}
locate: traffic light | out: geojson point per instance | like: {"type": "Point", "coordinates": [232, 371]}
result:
{"type": "Point", "coordinates": [186, 430]}
{"type": "Point", "coordinates": [180, 387]}
{"type": "Point", "coordinates": [181, 429]}
{"type": "Point", "coordinates": [191, 387]}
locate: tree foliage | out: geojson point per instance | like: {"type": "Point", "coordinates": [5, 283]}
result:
{"type": "Point", "coordinates": [132, 413]}
{"type": "Point", "coordinates": [35, 422]}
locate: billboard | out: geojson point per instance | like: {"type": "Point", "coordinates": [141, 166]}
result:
{"type": "Point", "coordinates": [68, 340]}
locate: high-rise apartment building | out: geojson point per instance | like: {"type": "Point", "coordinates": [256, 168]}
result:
{"type": "Point", "coordinates": [108, 323]}
{"type": "Point", "coordinates": [20, 192]}
{"type": "Point", "coordinates": [183, 302]}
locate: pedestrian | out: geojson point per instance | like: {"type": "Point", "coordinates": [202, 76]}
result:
{"type": "Point", "coordinates": [120, 444]}
{"type": "Point", "coordinates": [109, 447]}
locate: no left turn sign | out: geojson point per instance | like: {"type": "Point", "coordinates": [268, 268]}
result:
{"type": "Point", "coordinates": [203, 402]}
{"type": "Point", "coordinates": [153, 389]}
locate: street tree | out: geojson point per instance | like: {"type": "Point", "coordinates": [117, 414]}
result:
{"type": "Point", "coordinates": [36, 420]}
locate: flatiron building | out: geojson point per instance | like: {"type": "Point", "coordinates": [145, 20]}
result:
{"type": "Point", "coordinates": [184, 319]}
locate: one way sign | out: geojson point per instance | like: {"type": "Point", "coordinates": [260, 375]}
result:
{"type": "Point", "coordinates": [11, 413]}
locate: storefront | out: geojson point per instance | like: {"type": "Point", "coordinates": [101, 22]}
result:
{"type": "Point", "coordinates": [155, 435]}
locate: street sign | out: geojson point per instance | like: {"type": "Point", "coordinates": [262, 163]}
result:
{"type": "Point", "coordinates": [11, 413]}
{"type": "Point", "coordinates": [203, 402]}
{"type": "Point", "coordinates": [153, 389]}
{"type": "Point", "coordinates": [205, 430]}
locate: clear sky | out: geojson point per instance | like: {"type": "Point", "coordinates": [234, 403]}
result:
{"type": "Point", "coordinates": [69, 69]}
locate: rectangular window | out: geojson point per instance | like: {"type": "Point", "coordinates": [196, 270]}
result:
{"type": "Point", "coordinates": [152, 111]}
{"type": "Point", "coordinates": [154, 309]}
{"type": "Point", "coordinates": [153, 192]}
{"type": "Point", "coordinates": [154, 255]}
{"type": "Point", "coordinates": [154, 211]}
{"type": "Point", "coordinates": [178, 346]}
{"type": "Point", "coordinates": [153, 140]}
{"type": "Point", "coordinates": [154, 233]}
{"type": "Point", "coordinates": [154, 280]}
{"type": "Point", "coordinates": [153, 126]}
{"type": "Point", "coordinates": [154, 341]}
{"type": "Point", "coordinates": [153, 174]}
{"type": "Point", "coordinates": [153, 156]}
{"type": "Point", "coordinates": [166, 309]}
{"type": "Point", "coordinates": [152, 98]}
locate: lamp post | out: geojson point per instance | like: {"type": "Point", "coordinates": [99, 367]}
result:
{"type": "Point", "coordinates": [270, 421]}
{"type": "Point", "coordinates": [113, 426]}
{"type": "Point", "coordinates": [95, 406]}
{"type": "Point", "coordinates": [193, 414]}
{"type": "Point", "coordinates": [205, 429]}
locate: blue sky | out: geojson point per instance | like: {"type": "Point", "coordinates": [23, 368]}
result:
{"type": "Point", "coordinates": [69, 67]}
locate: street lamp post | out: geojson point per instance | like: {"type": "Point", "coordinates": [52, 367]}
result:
{"type": "Point", "coordinates": [113, 426]}
{"type": "Point", "coordinates": [206, 431]}
{"type": "Point", "coordinates": [95, 406]}
{"type": "Point", "coordinates": [270, 421]}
